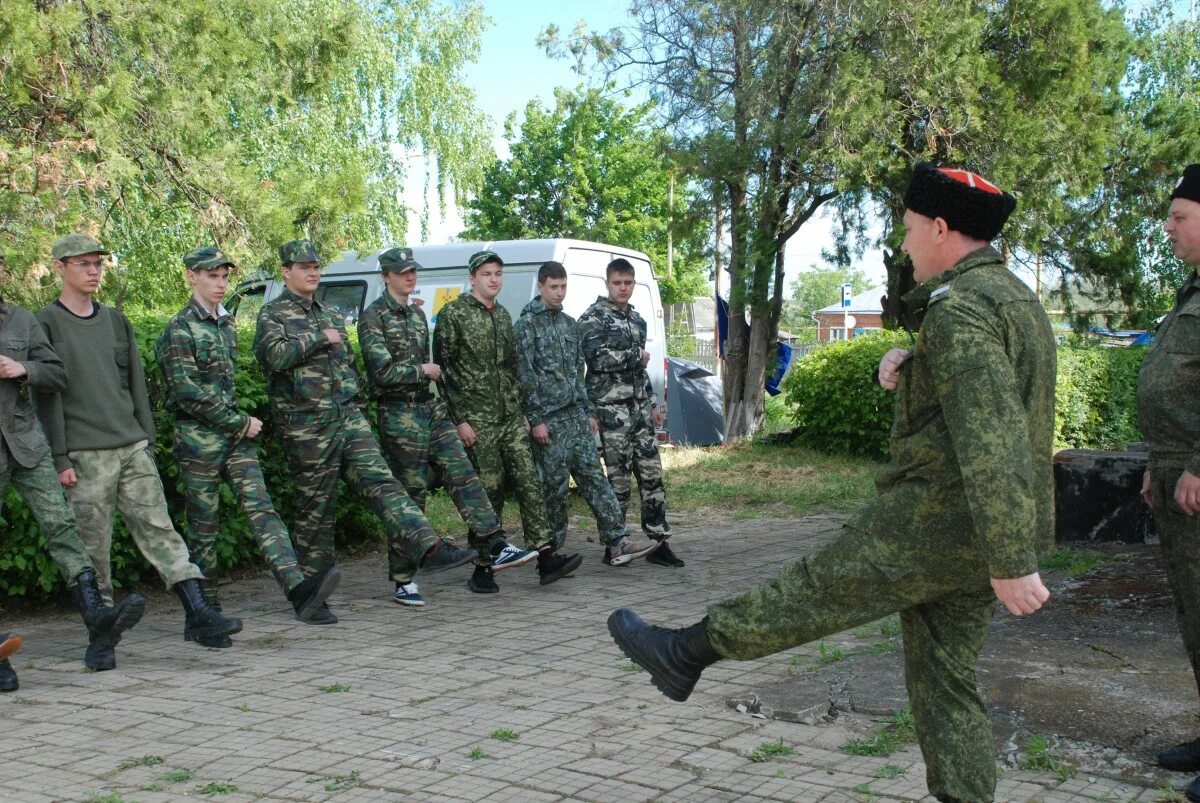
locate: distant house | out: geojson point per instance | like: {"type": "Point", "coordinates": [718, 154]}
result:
{"type": "Point", "coordinates": [866, 310]}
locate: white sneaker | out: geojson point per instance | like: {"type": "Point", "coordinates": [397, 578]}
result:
{"type": "Point", "coordinates": [625, 551]}
{"type": "Point", "coordinates": [408, 594]}
{"type": "Point", "coordinates": [510, 557]}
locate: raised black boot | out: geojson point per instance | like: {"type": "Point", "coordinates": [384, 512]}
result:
{"type": "Point", "coordinates": [105, 625]}
{"type": "Point", "coordinates": [552, 565]}
{"type": "Point", "coordinates": [216, 642]}
{"type": "Point", "coordinates": [1182, 757]}
{"type": "Point", "coordinates": [308, 597]}
{"type": "Point", "coordinates": [674, 658]}
{"type": "Point", "coordinates": [9, 644]}
{"type": "Point", "coordinates": [202, 620]}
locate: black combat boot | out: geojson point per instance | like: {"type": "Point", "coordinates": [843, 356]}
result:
{"type": "Point", "coordinates": [9, 644]}
{"type": "Point", "coordinates": [216, 642]}
{"type": "Point", "coordinates": [674, 658]}
{"type": "Point", "coordinates": [483, 581]}
{"type": "Point", "coordinates": [445, 555]}
{"type": "Point", "coordinates": [1182, 757]}
{"type": "Point", "coordinates": [552, 565]}
{"type": "Point", "coordinates": [308, 597]}
{"type": "Point", "coordinates": [105, 625]}
{"type": "Point", "coordinates": [1192, 792]}
{"type": "Point", "coordinates": [202, 620]}
{"type": "Point", "coordinates": [663, 556]}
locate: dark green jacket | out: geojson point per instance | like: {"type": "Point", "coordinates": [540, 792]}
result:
{"type": "Point", "coordinates": [1169, 385]}
{"type": "Point", "coordinates": [973, 433]}
{"type": "Point", "coordinates": [306, 373]}
{"type": "Point", "coordinates": [549, 362]}
{"type": "Point", "coordinates": [197, 353]}
{"type": "Point", "coordinates": [22, 339]}
{"type": "Point", "coordinates": [478, 355]}
{"type": "Point", "coordinates": [395, 343]}
{"type": "Point", "coordinates": [613, 341]}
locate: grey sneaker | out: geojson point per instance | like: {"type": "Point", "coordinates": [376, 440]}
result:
{"type": "Point", "coordinates": [625, 551]}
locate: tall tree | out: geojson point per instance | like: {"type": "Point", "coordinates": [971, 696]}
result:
{"type": "Point", "coordinates": [794, 105]}
{"type": "Point", "coordinates": [594, 169]}
{"type": "Point", "coordinates": [244, 122]}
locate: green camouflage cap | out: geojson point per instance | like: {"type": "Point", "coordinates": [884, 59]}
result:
{"type": "Point", "coordinates": [207, 258]}
{"type": "Point", "coordinates": [74, 245]}
{"type": "Point", "coordinates": [298, 251]}
{"type": "Point", "coordinates": [480, 258]}
{"type": "Point", "coordinates": [398, 260]}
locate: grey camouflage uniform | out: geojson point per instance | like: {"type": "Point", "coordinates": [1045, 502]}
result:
{"type": "Point", "coordinates": [551, 368]}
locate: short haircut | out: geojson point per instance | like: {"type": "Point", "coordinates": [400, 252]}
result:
{"type": "Point", "coordinates": [551, 270]}
{"type": "Point", "coordinates": [619, 265]}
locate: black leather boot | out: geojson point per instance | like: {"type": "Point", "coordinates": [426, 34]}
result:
{"type": "Point", "coordinates": [216, 642]}
{"type": "Point", "coordinates": [1192, 792]}
{"type": "Point", "coordinates": [1182, 757]}
{"type": "Point", "coordinates": [202, 620]}
{"type": "Point", "coordinates": [674, 658]}
{"type": "Point", "coordinates": [553, 565]}
{"type": "Point", "coordinates": [105, 625]}
{"type": "Point", "coordinates": [308, 597]}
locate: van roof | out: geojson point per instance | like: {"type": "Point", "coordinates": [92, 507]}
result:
{"type": "Point", "coordinates": [456, 254]}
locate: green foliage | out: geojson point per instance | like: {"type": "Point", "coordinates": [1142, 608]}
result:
{"type": "Point", "coordinates": [142, 761]}
{"type": "Point", "coordinates": [594, 169]}
{"type": "Point", "coordinates": [1038, 756]}
{"type": "Point", "coordinates": [769, 750]}
{"type": "Point", "coordinates": [889, 771]}
{"type": "Point", "coordinates": [680, 340]}
{"type": "Point", "coordinates": [1095, 398]}
{"type": "Point", "coordinates": [834, 400]}
{"type": "Point", "coordinates": [26, 569]}
{"type": "Point", "coordinates": [334, 688]}
{"type": "Point", "coordinates": [839, 409]}
{"type": "Point", "coordinates": [900, 730]}
{"type": "Point", "coordinates": [830, 652]}
{"type": "Point", "coordinates": [215, 788]}
{"type": "Point", "coordinates": [505, 735]}
{"type": "Point", "coordinates": [245, 122]}
{"type": "Point", "coordinates": [1073, 561]}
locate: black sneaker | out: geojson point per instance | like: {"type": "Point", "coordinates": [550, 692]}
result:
{"type": "Point", "coordinates": [554, 566]}
{"type": "Point", "coordinates": [663, 556]}
{"type": "Point", "coordinates": [445, 555]}
{"type": "Point", "coordinates": [308, 597]}
{"type": "Point", "coordinates": [483, 581]}
{"type": "Point", "coordinates": [322, 616]}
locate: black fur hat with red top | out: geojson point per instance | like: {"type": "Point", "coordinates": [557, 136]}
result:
{"type": "Point", "coordinates": [967, 201]}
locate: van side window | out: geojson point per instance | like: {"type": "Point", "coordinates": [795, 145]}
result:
{"type": "Point", "coordinates": [347, 297]}
{"type": "Point", "coordinates": [244, 306]}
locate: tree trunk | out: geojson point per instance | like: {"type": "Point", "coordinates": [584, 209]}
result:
{"type": "Point", "coordinates": [899, 281]}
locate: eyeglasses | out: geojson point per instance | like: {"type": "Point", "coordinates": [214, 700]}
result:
{"type": "Point", "coordinates": [89, 265]}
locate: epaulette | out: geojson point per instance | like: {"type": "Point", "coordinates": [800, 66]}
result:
{"type": "Point", "coordinates": [940, 292]}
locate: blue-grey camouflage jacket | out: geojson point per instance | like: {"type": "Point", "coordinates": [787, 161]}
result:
{"type": "Point", "coordinates": [549, 362]}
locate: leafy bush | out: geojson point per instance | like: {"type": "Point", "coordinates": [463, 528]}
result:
{"type": "Point", "coordinates": [835, 403]}
{"type": "Point", "coordinates": [831, 396]}
{"type": "Point", "coordinates": [26, 568]}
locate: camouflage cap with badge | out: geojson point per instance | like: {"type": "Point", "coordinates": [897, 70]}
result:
{"type": "Point", "coordinates": [398, 260]}
{"type": "Point", "coordinates": [298, 251]}
{"type": "Point", "coordinates": [481, 258]}
{"type": "Point", "coordinates": [74, 245]}
{"type": "Point", "coordinates": [207, 257]}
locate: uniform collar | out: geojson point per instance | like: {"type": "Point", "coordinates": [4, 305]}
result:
{"type": "Point", "coordinates": [307, 303]}
{"type": "Point", "coordinates": [919, 296]}
{"type": "Point", "coordinates": [204, 315]}
{"type": "Point", "coordinates": [395, 306]}
{"type": "Point", "coordinates": [471, 299]}
{"type": "Point", "coordinates": [608, 303]}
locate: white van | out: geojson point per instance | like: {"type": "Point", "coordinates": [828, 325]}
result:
{"type": "Point", "coordinates": [351, 283]}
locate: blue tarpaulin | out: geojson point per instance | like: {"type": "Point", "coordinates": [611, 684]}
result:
{"type": "Point", "coordinates": [783, 354]}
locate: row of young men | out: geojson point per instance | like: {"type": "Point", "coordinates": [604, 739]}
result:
{"type": "Point", "coordinates": [99, 428]}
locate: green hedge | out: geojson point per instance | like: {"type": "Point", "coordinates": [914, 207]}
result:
{"type": "Point", "coordinates": [839, 409]}
{"type": "Point", "coordinates": [25, 567]}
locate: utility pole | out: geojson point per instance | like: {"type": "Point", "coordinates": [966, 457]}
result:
{"type": "Point", "coordinates": [670, 222]}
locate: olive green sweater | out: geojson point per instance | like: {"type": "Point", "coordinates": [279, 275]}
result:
{"type": "Point", "coordinates": [105, 405]}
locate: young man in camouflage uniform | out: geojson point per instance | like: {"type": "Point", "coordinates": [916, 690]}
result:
{"type": "Point", "coordinates": [1170, 420]}
{"type": "Point", "coordinates": [964, 507]}
{"type": "Point", "coordinates": [563, 426]}
{"type": "Point", "coordinates": [214, 440]}
{"type": "Point", "coordinates": [473, 343]}
{"type": "Point", "coordinates": [101, 433]}
{"type": "Point", "coordinates": [413, 424]}
{"type": "Point", "coordinates": [313, 388]}
{"type": "Point", "coordinates": [614, 347]}
{"type": "Point", "coordinates": [28, 364]}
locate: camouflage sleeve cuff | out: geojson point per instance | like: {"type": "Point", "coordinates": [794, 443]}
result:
{"type": "Point", "coordinates": [1013, 566]}
{"type": "Point", "coordinates": [62, 463]}
{"type": "Point", "coordinates": [1193, 465]}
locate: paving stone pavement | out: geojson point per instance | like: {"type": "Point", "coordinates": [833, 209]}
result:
{"type": "Point", "coordinates": [403, 704]}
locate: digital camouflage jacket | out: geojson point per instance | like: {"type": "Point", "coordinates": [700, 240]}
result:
{"type": "Point", "coordinates": [613, 340]}
{"type": "Point", "coordinates": [549, 362]}
{"type": "Point", "coordinates": [306, 374]}
{"type": "Point", "coordinates": [395, 341]}
{"type": "Point", "coordinates": [1169, 385]}
{"type": "Point", "coordinates": [477, 352]}
{"type": "Point", "coordinates": [973, 432]}
{"type": "Point", "coordinates": [197, 353]}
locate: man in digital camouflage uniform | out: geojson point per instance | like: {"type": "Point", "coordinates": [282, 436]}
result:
{"type": "Point", "coordinates": [414, 426]}
{"type": "Point", "coordinates": [563, 426]}
{"type": "Point", "coordinates": [102, 433]}
{"type": "Point", "coordinates": [28, 364]}
{"type": "Point", "coordinates": [312, 385]}
{"type": "Point", "coordinates": [1169, 418]}
{"type": "Point", "coordinates": [963, 509]}
{"type": "Point", "coordinates": [473, 343]}
{"type": "Point", "coordinates": [215, 440]}
{"type": "Point", "coordinates": [614, 347]}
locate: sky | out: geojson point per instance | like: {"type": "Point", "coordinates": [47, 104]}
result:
{"type": "Point", "coordinates": [512, 70]}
